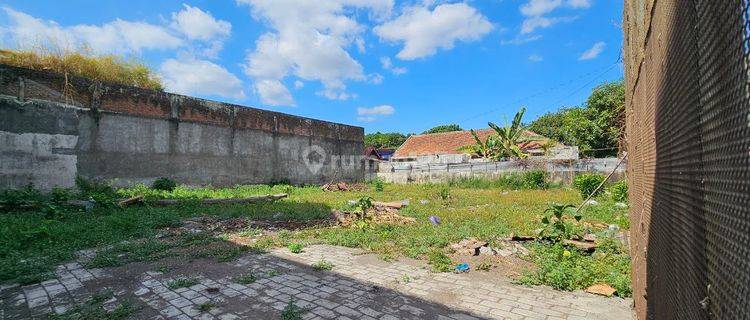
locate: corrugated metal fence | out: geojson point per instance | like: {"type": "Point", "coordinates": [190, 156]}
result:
{"type": "Point", "coordinates": [688, 131]}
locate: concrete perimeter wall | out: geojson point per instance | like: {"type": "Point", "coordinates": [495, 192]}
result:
{"type": "Point", "coordinates": [54, 128]}
{"type": "Point", "coordinates": [559, 170]}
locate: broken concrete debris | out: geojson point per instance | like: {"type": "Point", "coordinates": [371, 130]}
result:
{"type": "Point", "coordinates": [474, 247]}
{"type": "Point", "coordinates": [601, 289]}
{"type": "Point", "coordinates": [343, 186]}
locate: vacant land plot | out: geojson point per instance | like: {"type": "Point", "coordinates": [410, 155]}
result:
{"type": "Point", "coordinates": [39, 232]}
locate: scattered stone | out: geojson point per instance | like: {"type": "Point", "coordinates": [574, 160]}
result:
{"type": "Point", "coordinates": [601, 289]}
{"type": "Point", "coordinates": [589, 237]}
{"type": "Point", "coordinates": [469, 247]}
{"type": "Point", "coordinates": [423, 201]}
{"type": "Point", "coordinates": [591, 202]}
{"type": "Point", "coordinates": [487, 251]}
{"type": "Point", "coordinates": [621, 205]}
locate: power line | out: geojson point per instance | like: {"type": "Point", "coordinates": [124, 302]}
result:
{"type": "Point", "coordinates": [550, 89]}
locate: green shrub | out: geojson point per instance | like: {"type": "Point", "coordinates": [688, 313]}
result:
{"type": "Point", "coordinates": [619, 191]}
{"type": "Point", "coordinates": [378, 184]}
{"type": "Point", "coordinates": [101, 192]}
{"type": "Point", "coordinates": [164, 184]}
{"type": "Point", "coordinates": [555, 221]}
{"type": "Point", "coordinates": [535, 179]}
{"type": "Point", "coordinates": [587, 183]}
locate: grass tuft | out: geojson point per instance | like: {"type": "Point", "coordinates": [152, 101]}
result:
{"type": "Point", "coordinates": [106, 68]}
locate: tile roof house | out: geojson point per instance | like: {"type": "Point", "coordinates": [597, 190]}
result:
{"type": "Point", "coordinates": [449, 142]}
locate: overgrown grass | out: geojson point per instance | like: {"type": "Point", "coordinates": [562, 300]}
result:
{"type": "Point", "coordinates": [106, 68]}
{"type": "Point", "coordinates": [569, 269]}
{"type": "Point", "coordinates": [32, 243]}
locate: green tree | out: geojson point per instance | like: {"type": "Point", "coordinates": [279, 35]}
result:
{"type": "Point", "coordinates": [385, 140]}
{"type": "Point", "coordinates": [444, 128]}
{"type": "Point", "coordinates": [597, 125]}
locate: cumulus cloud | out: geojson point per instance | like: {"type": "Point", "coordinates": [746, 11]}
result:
{"type": "Point", "coordinates": [118, 36]}
{"type": "Point", "coordinates": [200, 77]}
{"type": "Point", "coordinates": [424, 31]}
{"type": "Point", "coordinates": [593, 52]}
{"type": "Point", "coordinates": [535, 12]}
{"type": "Point", "coordinates": [309, 40]}
{"type": "Point", "coordinates": [374, 113]}
{"type": "Point", "coordinates": [388, 65]}
{"type": "Point", "coordinates": [197, 24]}
{"type": "Point", "coordinates": [274, 93]}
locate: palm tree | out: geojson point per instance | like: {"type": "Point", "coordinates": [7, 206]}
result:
{"type": "Point", "coordinates": [510, 136]}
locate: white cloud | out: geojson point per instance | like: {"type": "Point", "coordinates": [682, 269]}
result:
{"type": "Point", "coordinates": [535, 58]}
{"type": "Point", "coordinates": [582, 4]}
{"type": "Point", "coordinates": [520, 39]}
{"type": "Point", "coordinates": [539, 7]}
{"type": "Point", "coordinates": [423, 31]}
{"type": "Point", "coordinates": [298, 84]}
{"type": "Point", "coordinates": [535, 11]}
{"type": "Point", "coordinates": [374, 113]}
{"type": "Point", "coordinates": [200, 77]}
{"type": "Point", "coordinates": [593, 52]}
{"type": "Point", "coordinates": [388, 65]}
{"type": "Point", "coordinates": [273, 93]}
{"type": "Point", "coordinates": [382, 110]}
{"type": "Point", "coordinates": [118, 36]}
{"type": "Point", "coordinates": [310, 40]}
{"type": "Point", "coordinates": [375, 78]}
{"type": "Point", "coordinates": [197, 24]}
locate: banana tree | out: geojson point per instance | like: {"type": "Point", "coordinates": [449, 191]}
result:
{"type": "Point", "coordinates": [510, 136]}
{"type": "Point", "coordinates": [484, 149]}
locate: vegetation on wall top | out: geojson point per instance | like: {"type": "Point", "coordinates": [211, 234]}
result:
{"type": "Point", "coordinates": [105, 68]}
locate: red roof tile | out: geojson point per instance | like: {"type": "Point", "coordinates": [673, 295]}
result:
{"type": "Point", "coordinates": [449, 143]}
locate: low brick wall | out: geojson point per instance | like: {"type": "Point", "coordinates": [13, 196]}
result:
{"type": "Point", "coordinates": [54, 128]}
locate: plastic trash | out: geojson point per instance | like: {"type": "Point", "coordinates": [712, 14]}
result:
{"type": "Point", "coordinates": [462, 267]}
{"type": "Point", "coordinates": [435, 220]}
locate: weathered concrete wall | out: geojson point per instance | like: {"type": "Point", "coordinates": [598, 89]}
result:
{"type": "Point", "coordinates": [563, 171]}
{"type": "Point", "coordinates": [53, 129]}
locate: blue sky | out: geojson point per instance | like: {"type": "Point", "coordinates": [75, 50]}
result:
{"type": "Point", "coordinates": [380, 64]}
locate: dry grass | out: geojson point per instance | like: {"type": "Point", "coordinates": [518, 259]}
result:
{"type": "Point", "coordinates": [105, 68]}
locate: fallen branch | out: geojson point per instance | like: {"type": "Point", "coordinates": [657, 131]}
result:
{"type": "Point", "coordinates": [129, 201]}
{"type": "Point", "coordinates": [269, 197]}
{"type": "Point", "coordinates": [394, 205]}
